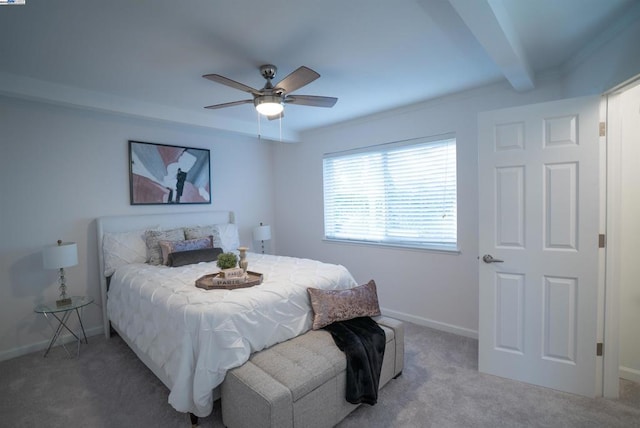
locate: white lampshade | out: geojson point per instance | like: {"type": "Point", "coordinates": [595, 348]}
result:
{"type": "Point", "coordinates": [269, 105]}
{"type": "Point", "coordinates": [60, 256]}
{"type": "Point", "coordinates": [262, 233]}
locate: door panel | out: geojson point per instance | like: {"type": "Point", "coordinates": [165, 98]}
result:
{"type": "Point", "coordinates": [538, 177]}
{"type": "Point", "coordinates": [510, 201]}
{"type": "Point", "coordinates": [510, 312]}
{"type": "Point", "coordinates": [560, 205]}
{"type": "Point", "coordinates": [559, 317]}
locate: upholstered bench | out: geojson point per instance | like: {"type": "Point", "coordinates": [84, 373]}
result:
{"type": "Point", "coordinates": [301, 382]}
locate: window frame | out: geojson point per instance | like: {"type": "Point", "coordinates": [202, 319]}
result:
{"type": "Point", "coordinates": [385, 148]}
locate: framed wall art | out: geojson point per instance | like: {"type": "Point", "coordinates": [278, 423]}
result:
{"type": "Point", "coordinates": [161, 174]}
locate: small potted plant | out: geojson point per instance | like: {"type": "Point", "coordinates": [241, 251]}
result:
{"type": "Point", "coordinates": [227, 260]}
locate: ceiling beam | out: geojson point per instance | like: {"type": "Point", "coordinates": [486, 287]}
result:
{"type": "Point", "coordinates": [491, 25]}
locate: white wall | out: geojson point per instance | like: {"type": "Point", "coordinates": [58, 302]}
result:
{"type": "Point", "coordinates": [60, 168]}
{"type": "Point", "coordinates": [430, 288]}
{"type": "Point", "coordinates": [612, 61]}
{"type": "Point", "coordinates": [630, 227]}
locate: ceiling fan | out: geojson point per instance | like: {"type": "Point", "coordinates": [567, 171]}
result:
{"type": "Point", "coordinates": [270, 100]}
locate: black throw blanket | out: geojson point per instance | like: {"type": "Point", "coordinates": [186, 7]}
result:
{"type": "Point", "coordinates": [363, 341]}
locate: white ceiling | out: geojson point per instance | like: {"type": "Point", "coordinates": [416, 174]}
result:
{"type": "Point", "coordinates": [146, 57]}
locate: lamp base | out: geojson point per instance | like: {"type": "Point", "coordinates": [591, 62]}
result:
{"type": "Point", "coordinates": [63, 302]}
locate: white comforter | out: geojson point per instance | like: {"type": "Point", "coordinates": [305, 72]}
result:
{"type": "Point", "coordinates": [196, 335]}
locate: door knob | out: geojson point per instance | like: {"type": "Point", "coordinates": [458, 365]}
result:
{"type": "Point", "coordinates": [488, 258]}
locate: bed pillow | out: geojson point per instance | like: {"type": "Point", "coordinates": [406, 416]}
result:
{"type": "Point", "coordinates": [123, 248]}
{"type": "Point", "coordinates": [340, 305]}
{"type": "Point", "coordinates": [225, 235]}
{"type": "Point", "coordinates": [153, 238]}
{"type": "Point", "coordinates": [182, 258]}
{"type": "Point", "coordinates": [168, 247]}
{"type": "Point", "coordinates": [229, 240]}
{"type": "Point", "coordinates": [195, 232]}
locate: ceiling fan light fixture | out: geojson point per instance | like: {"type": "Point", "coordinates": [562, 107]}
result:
{"type": "Point", "coordinates": [269, 105]}
{"type": "Point", "coordinates": [269, 101]}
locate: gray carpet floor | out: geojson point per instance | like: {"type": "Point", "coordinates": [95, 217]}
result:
{"type": "Point", "coordinates": [107, 386]}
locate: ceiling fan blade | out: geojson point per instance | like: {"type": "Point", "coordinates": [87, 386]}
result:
{"type": "Point", "coordinates": [232, 83]}
{"type": "Point", "coordinates": [311, 100]}
{"type": "Point", "coordinates": [231, 104]}
{"type": "Point", "coordinates": [297, 79]}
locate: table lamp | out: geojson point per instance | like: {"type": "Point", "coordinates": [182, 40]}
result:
{"type": "Point", "coordinates": [60, 256]}
{"type": "Point", "coordinates": [262, 233]}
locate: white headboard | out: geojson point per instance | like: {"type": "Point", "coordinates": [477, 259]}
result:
{"type": "Point", "coordinates": [126, 223]}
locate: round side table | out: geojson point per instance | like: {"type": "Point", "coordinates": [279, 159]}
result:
{"type": "Point", "coordinates": [62, 314]}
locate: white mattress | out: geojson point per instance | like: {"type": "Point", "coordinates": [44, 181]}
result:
{"type": "Point", "coordinates": [196, 335]}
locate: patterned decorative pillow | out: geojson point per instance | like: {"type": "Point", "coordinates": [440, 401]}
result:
{"type": "Point", "coordinates": [340, 305]}
{"type": "Point", "coordinates": [225, 235]}
{"type": "Point", "coordinates": [195, 232]}
{"type": "Point", "coordinates": [168, 247]}
{"type": "Point", "coordinates": [123, 248]}
{"type": "Point", "coordinates": [153, 238]}
{"type": "Point", "coordinates": [183, 258]}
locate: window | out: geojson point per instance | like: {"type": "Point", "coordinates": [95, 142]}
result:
{"type": "Point", "coordinates": [401, 194]}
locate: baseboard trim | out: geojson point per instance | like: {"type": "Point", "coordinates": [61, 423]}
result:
{"type": "Point", "coordinates": [629, 374]}
{"type": "Point", "coordinates": [449, 328]}
{"type": "Point", "coordinates": [42, 345]}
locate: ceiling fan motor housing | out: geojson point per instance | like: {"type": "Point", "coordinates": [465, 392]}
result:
{"type": "Point", "coordinates": [268, 71]}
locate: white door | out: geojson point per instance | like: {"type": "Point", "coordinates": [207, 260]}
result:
{"type": "Point", "coordinates": [539, 211]}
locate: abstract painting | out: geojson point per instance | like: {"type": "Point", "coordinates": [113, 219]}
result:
{"type": "Point", "coordinates": [164, 174]}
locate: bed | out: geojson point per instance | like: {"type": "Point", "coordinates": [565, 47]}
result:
{"type": "Point", "coordinates": [187, 336]}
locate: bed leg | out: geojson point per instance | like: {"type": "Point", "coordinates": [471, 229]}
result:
{"type": "Point", "coordinates": [194, 420]}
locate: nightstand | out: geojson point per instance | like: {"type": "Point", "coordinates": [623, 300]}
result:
{"type": "Point", "coordinates": [62, 314]}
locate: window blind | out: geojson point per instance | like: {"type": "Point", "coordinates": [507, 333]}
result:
{"type": "Point", "coordinates": [400, 194]}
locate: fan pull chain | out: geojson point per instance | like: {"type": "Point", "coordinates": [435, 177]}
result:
{"type": "Point", "coordinates": [259, 129]}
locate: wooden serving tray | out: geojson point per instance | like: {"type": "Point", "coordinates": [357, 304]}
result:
{"type": "Point", "coordinates": [206, 282]}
